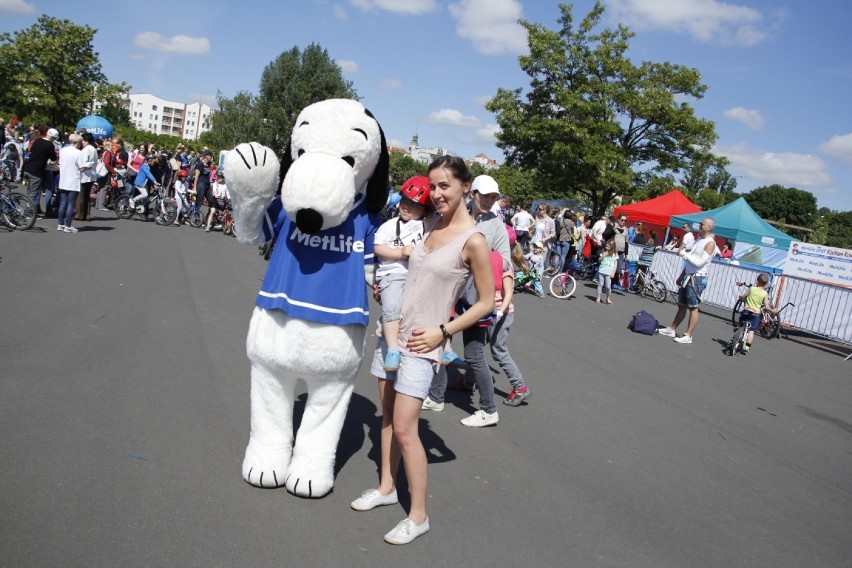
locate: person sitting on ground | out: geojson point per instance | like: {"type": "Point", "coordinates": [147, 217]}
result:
{"type": "Point", "coordinates": [395, 241]}
{"type": "Point", "coordinates": [755, 298]}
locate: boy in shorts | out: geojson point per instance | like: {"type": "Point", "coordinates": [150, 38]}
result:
{"type": "Point", "coordinates": [754, 299]}
{"type": "Point", "coordinates": [395, 241]}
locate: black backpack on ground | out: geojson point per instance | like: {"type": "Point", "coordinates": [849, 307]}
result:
{"type": "Point", "coordinates": [643, 322]}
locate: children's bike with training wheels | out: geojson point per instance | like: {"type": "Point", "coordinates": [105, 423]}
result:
{"type": "Point", "coordinates": [770, 324]}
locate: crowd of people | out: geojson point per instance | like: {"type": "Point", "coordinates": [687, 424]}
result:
{"type": "Point", "coordinates": [65, 174]}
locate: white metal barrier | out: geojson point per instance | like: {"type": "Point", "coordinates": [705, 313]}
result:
{"type": "Point", "coordinates": [821, 309]}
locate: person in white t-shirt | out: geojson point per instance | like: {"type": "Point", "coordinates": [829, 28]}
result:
{"type": "Point", "coordinates": [688, 238]}
{"type": "Point", "coordinates": [180, 188]}
{"type": "Point", "coordinates": [395, 241]}
{"type": "Point", "coordinates": [522, 221]}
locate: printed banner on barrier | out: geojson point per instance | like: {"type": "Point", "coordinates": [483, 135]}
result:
{"type": "Point", "coordinates": [821, 263]}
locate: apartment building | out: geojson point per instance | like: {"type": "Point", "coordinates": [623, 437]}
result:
{"type": "Point", "coordinates": [159, 116]}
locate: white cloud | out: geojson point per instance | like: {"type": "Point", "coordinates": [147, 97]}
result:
{"type": "Point", "coordinates": [483, 100]}
{"type": "Point", "coordinates": [705, 20]}
{"type": "Point", "coordinates": [340, 12]}
{"type": "Point", "coordinates": [398, 6]}
{"type": "Point", "coordinates": [785, 168]}
{"type": "Point", "coordinates": [391, 84]}
{"type": "Point", "coordinates": [453, 117]}
{"type": "Point", "coordinates": [751, 118]}
{"type": "Point", "coordinates": [347, 66]}
{"type": "Point", "coordinates": [491, 25]}
{"type": "Point", "coordinates": [16, 7]}
{"type": "Point", "coordinates": [488, 133]}
{"type": "Point", "coordinates": [838, 147]}
{"type": "Point", "coordinates": [180, 44]}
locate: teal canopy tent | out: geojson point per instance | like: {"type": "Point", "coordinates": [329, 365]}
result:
{"type": "Point", "coordinates": [739, 222]}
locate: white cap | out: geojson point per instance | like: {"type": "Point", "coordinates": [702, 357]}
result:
{"type": "Point", "coordinates": [485, 185]}
{"type": "Point", "coordinates": [53, 133]}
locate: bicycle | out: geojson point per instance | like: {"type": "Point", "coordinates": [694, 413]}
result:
{"type": "Point", "coordinates": [227, 220]}
{"type": "Point", "coordinates": [564, 284]}
{"type": "Point", "coordinates": [17, 211]}
{"type": "Point", "coordinates": [648, 285]}
{"type": "Point", "coordinates": [588, 269]}
{"type": "Point", "coordinates": [553, 264]}
{"type": "Point", "coordinates": [192, 216]}
{"type": "Point", "coordinates": [164, 209]}
{"type": "Point", "coordinates": [770, 324]}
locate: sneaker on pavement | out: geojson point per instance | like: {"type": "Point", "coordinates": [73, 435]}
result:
{"type": "Point", "coordinates": [684, 339]}
{"type": "Point", "coordinates": [60, 228]}
{"type": "Point", "coordinates": [392, 360]}
{"type": "Point", "coordinates": [667, 331]}
{"type": "Point", "coordinates": [372, 498]}
{"type": "Point", "coordinates": [516, 398]}
{"type": "Point", "coordinates": [480, 419]}
{"type": "Point", "coordinates": [70, 229]}
{"type": "Point", "coordinates": [405, 531]}
{"type": "Point", "coordinates": [429, 404]}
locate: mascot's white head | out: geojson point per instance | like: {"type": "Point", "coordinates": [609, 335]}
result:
{"type": "Point", "coordinates": [337, 156]}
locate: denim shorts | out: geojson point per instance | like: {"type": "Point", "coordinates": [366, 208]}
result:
{"type": "Point", "coordinates": [690, 294]}
{"type": "Point", "coordinates": [414, 376]}
{"type": "Point", "coordinates": [753, 318]}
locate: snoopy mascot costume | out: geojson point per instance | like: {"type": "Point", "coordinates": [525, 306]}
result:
{"type": "Point", "coordinates": [311, 313]}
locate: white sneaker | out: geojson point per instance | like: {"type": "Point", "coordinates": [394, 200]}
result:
{"type": "Point", "coordinates": [480, 419]}
{"type": "Point", "coordinates": [60, 228]}
{"type": "Point", "coordinates": [371, 498]}
{"type": "Point", "coordinates": [667, 331]}
{"type": "Point", "coordinates": [406, 531]}
{"type": "Point", "coordinates": [429, 404]}
{"type": "Point", "coordinates": [684, 339]}
{"type": "Point", "coordinates": [70, 229]}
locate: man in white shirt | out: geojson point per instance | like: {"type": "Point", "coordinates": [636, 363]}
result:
{"type": "Point", "coordinates": [71, 166]}
{"type": "Point", "coordinates": [688, 239]}
{"type": "Point", "coordinates": [521, 222]}
{"type": "Point", "coordinates": [692, 280]}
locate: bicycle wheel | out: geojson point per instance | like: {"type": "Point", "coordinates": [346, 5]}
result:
{"type": "Point", "coordinates": [562, 286]}
{"type": "Point", "coordinates": [554, 264]}
{"type": "Point", "coordinates": [196, 219]}
{"type": "Point", "coordinates": [21, 215]}
{"type": "Point", "coordinates": [123, 210]}
{"type": "Point", "coordinates": [735, 314]}
{"type": "Point", "coordinates": [659, 291]}
{"type": "Point", "coordinates": [737, 340]}
{"type": "Point", "coordinates": [166, 214]}
{"type": "Point", "coordinates": [770, 326]}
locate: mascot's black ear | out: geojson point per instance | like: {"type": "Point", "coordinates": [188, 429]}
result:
{"type": "Point", "coordinates": [286, 162]}
{"type": "Point", "coordinates": [378, 185]}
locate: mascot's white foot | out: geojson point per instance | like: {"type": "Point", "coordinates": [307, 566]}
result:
{"type": "Point", "coordinates": [265, 467]}
{"type": "Point", "coordinates": [309, 477]}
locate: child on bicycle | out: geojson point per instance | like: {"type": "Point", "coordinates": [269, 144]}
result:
{"type": "Point", "coordinates": [394, 243]}
{"type": "Point", "coordinates": [536, 267]}
{"type": "Point", "coordinates": [755, 298]}
{"type": "Point", "coordinates": [181, 202]}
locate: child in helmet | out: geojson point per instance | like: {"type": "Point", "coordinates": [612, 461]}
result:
{"type": "Point", "coordinates": [395, 240]}
{"type": "Point", "coordinates": [180, 195]}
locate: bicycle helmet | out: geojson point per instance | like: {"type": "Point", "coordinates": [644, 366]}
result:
{"type": "Point", "coordinates": [181, 173]}
{"type": "Point", "coordinates": [417, 190]}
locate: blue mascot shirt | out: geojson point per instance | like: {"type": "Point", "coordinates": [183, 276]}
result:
{"type": "Point", "coordinates": [319, 277]}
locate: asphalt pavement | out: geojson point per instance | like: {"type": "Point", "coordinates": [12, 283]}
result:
{"type": "Point", "coordinates": [124, 413]}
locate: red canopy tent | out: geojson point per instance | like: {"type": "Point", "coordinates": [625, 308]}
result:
{"type": "Point", "coordinates": [659, 210]}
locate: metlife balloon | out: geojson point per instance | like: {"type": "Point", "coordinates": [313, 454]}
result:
{"type": "Point", "coordinates": [97, 125]}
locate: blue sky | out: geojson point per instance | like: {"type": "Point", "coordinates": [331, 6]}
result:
{"type": "Point", "coordinates": [779, 72]}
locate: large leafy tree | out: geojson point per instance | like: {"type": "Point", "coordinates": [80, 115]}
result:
{"type": "Point", "coordinates": [236, 121]}
{"type": "Point", "coordinates": [784, 204]}
{"type": "Point", "coordinates": [403, 167]}
{"type": "Point", "coordinates": [50, 72]}
{"type": "Point", "coordinates": [591, 118]}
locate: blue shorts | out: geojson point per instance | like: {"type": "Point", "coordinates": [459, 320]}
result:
{"type": "Point", "coordinates": [414, 376]}
{"type": "Point", "coordinates": [390, 288]}
{"type": "Point", "coordinates": [751, 317]}
{"type": "Point", "coordinates": [689, 294]}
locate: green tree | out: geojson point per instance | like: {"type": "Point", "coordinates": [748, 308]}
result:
{"type": "Point", "coordinates": [784, 204]}
{"type": "Point", "coordinates": [112, 97]}
{"type": "Point", "coordinates": [709, 198]}
{"type": "Point", "coordinates": [592, 118]}
{"type": "Point", "coordinates": [523, 186]}
{"type": "Point", "coordinates": [50, 72]}
{"type": "Point", "coordinates": [838, 229]}
{"type": "Point", "coordinates": [236, 121]}
{"type": "Point", "coordinates": [294, 80]}
{"type": "Point", "coordinates": [403, 167]}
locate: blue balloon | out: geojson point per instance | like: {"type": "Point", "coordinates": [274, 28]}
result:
{"type": "Point", "coordinates": [97, 125]}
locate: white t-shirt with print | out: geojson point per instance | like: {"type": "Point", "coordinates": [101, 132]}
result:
{"type": "Point", "coordinates": [409, 234]}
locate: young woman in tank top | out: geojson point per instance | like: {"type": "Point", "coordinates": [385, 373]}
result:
{"type": "Point", "coordinates": [438, 270]}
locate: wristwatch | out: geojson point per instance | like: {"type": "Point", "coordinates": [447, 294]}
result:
{"type": "Point", "coordinates": [447, 334]}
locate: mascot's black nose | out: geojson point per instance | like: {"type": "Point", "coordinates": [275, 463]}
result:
{"type": "Point", "coordinates": [308, 221]}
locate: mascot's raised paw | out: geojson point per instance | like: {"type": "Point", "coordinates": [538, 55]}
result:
{"type": "Point", "coordinates": [253, 174]}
